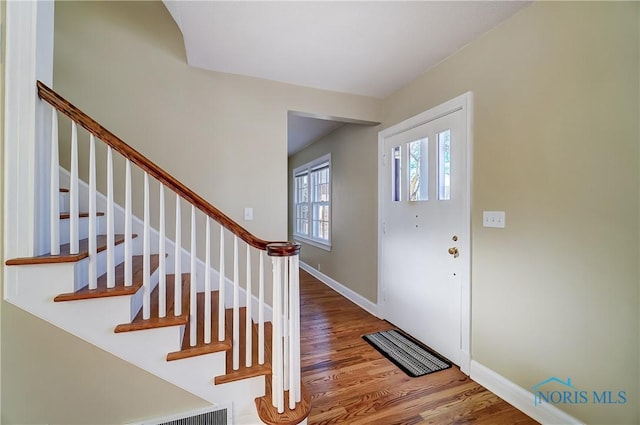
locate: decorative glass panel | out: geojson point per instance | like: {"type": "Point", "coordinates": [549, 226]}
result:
{"type": "Point", "coordinates": [418, 170]}
{"type": "Point", "coordinates": [444, 165]}
{"type": "Point", "coordinates": [396, 168]}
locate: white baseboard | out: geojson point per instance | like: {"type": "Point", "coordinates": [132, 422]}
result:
{"type": "Point", "coordinates": [518, 397]}
{"type": "Point", "coordinates": [341, 289]}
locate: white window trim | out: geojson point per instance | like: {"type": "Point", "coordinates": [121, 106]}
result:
{"type": "Point", "coordinates": [313, 242]}
{"type": "Point", "coordinates": [308, 239]}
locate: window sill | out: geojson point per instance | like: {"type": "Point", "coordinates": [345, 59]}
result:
{"type": "Point", "coordinates": [321, 245]}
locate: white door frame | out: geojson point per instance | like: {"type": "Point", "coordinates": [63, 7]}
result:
{"type": "Point", "coordinates": [463, 102]}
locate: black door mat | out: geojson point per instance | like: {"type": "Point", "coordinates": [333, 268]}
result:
{"type": "Point", "coordinates": [413, 358]}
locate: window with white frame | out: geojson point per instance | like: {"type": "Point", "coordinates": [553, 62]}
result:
{"type": "Point", "coordinates": [312, 202]}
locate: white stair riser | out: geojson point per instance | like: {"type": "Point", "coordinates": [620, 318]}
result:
{"type": "Point", "coordinates": [117, 308]}
{"type": "Point", "coordinates": [40, 281]}
{"type": "Point", "coordinates": [83, 228]}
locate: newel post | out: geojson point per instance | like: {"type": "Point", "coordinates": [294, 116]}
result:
{"type": "Point", "coordinates": [285, 364]}
{"type": "Point", "coordinates": [27, 127]}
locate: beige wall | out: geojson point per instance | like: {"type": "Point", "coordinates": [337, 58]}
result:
{"type": "Point", "coordinates": [556, 146]}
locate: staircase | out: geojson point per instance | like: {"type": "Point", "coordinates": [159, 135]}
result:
{"type": "Point", "coordinates": [123, 285]}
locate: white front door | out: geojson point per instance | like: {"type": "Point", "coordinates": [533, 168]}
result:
{"type": "Point", "coordinates": [425, 228]}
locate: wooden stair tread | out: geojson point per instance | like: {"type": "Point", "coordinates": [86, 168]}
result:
{"type": "Point", "coordinates": [65, 256]}
{"type": "Point", "coordinates": [244, 371]}
{"type": "Point", "coordinates": [120, 289]}
{"type": "Point", "coordinates": [155, 321]}
{"type": "Point", "coordinates": [201, 348]}
{"type": "Point", "coordinates": [67, 216]}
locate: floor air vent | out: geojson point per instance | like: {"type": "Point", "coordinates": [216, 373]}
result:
{"type": "Point", "coordinates": [215, 415]}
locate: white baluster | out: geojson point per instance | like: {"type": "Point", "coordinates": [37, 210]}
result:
{"type": "Point", "coordinates": [177, 302]}
{"type": "Point", "coordinates": [276, 345]}
{"type": "Point", "coordinates": [93, 261]}
{"type": "Point", "coordinates": [54, 194]}
{"type": "Point", "coordinates": [162, 262]}
{"type": "Point", "coordinates": [249, 322]}
{"type": "Point", "coordinates": [294, 355]}
{"type": "Point", "coordinates": [207, 284]}
{"type": "Point", "coordinates": [236, 307]}
{"type": "Point", "coordinates": [221, 291]}
{"type": "Point", "coordinates": [128, 231]}
{"type": "Point", "coordinates": [295, 284]}
{"type": "Point", "coordinates": [193, 306]}
{"type": "Point", "coordinates": [146, 254]}
{"type": "Point", "coordinates": [285, 324]}
{"type": "Point", "coordinates": [111, 278]}
{"type": "Point", "coordinates": [74, 239]}
{"type": "Point", "coordinates": [261, 310]}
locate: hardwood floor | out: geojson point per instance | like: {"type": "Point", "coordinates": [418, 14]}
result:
{"type": "Point", "coordinates": [351, 383]}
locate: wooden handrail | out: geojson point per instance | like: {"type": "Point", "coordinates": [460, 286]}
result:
{"type": "Point", "coordinates": [61, 104]}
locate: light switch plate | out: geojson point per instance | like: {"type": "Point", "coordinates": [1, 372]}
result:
{"type": "Point", "coordinates": [248, 213]}
{"type": "Point", "coordinates": [493, 219]}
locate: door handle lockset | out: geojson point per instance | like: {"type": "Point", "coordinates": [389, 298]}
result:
{"type": "Point", "coordinates": [454, 251]}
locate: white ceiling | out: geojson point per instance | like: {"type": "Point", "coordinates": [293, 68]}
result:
{"type": "Point", "coordinates": [369, 48]}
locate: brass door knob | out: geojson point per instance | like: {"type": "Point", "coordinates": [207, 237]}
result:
{"type": "Point", "coordinates": [454, 251]}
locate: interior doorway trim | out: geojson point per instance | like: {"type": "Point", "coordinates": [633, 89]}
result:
{"type": "Point", "coordinates": [463, 102]}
